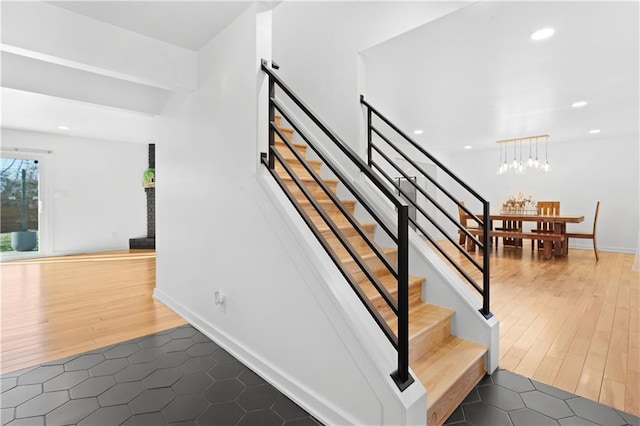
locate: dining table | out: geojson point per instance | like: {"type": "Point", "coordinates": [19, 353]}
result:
{"type": "Point", "coordinates": [559, 224]}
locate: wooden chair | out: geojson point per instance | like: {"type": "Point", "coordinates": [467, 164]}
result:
{"type": "Point", "coordinates": [587, 235]}
{"type": "Point", "coordinates": [545, 208]}
{"type": "Point", "coordinates": [462, 240]}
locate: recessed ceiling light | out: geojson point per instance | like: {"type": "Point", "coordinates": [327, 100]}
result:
{"type": "Point", "coordinates": [542, 34]}
{"type": "Point", "coordinates": [63, 127]}
{"type": "Point", "coordinates": [579, 104]}
{"type": "Point", "coordinates": [594, 131]}
{"type": "Point", "coordinates": [468, 147]}
{"type": "Point", "coordinates": [418, 132]}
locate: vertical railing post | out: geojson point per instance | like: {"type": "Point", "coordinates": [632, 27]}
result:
{"type": "Point", "coordinates": [272, 117]}
{"type": "Point", "coordinates": [486, 241]}
{"type": "Point", "coordinates": [369, 133]}
{"type": "Point", "coordinates": [402, 377]}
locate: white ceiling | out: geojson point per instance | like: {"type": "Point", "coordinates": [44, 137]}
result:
{"type": "Point", "coordinates": [469, 78]}
{"type": "Point", "coordinates": [474, 76]}
{"type": "Point", "coordinates": [188, 24]}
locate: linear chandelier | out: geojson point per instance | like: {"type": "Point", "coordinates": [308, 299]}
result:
{"type": "Point", "coordinates": [517, 165]}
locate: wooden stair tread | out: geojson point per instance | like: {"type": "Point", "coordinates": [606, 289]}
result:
{"type": "Point", "coordinates": [391, 284]}
{"type": "Point", "coordinates": [348, 230]}
{"type": "Point", "coordinates": [297, 145]}
{"type": "Point", "coordinates": [424, 317]}
{"type": "Point", "coordinates": [306, 179]}
{"type": "Point", "coordinates": [387, 251]}
{"type": "Point", "coordinates": [445, 364]}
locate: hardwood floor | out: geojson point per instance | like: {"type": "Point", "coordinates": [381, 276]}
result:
{"type": "Point", "coordinates": [55, 307]}
{"type": "Point", "coordinates": [572, 323]}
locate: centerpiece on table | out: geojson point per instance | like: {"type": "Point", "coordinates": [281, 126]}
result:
{"type": "Point", "coordinates": [519, 205]}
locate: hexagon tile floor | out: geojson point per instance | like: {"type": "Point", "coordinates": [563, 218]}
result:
{"type": "Point", "coordinates": [181, 377]}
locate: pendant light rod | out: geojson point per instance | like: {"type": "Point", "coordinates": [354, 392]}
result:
{"type": "Point", "coordinates": [522, 139]}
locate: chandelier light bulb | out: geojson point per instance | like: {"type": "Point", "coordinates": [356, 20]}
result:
{"type": "Point", "coordinates": [546, 167]}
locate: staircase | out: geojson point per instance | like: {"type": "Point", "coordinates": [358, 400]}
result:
{"type": "Point", "coordinates": [448, 366]}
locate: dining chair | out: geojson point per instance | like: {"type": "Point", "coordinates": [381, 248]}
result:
{"type": "Point", "coordinates": [545, 208]}
{"type": "Point", "coordinates": [588, 235]}
{"type": "Point", "coordinates": [462, 240]}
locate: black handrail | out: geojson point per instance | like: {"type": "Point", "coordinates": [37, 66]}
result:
{"type": "Point", "coordinates": [399, 307]}
{"type": "Point", "coordinates": [483, 242]}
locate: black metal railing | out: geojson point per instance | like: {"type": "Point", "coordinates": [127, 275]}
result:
{"type": "Point", "coordinates": [379, 158]}
{"type": "Point", "coordinates": [302, 184]}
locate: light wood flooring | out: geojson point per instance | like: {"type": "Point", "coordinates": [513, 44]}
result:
{"type": "Point", "coordinates": [55, 307]}
{"type": "Point", "coordinates": [572, 323]}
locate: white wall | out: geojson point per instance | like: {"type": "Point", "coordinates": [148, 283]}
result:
{"type": "Point", "coordinates": [223, 226]}
{"type": "Point", "coordinates": [583, 172]}
{"type": "Point", "coordinates": [93, 194]}
{"type": "Point", "coordinates": [317, 44]}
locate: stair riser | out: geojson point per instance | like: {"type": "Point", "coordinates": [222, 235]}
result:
{"type": "Point", "coordinates": [356, 241]}
{"type": "Point", "coordinates": [286, 152]}
{"type": "Point", "coordinates": [415, 298]}
{"type": "Point", "coordinates": [440, 410]}
{"type": "Point", "coordinates": [298, 169]}
{"type": "Point", "coordinates": [373, 263]}
{"type": "Point", "coordinates": [421, 343]}
{"type": "Point", "coordinates": [313, 187]}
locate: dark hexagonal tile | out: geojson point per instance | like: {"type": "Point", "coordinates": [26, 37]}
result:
{"type": "Point", "coordinates": [576, 421]}
{"type": "Point", "coordinates": [630, 418]}
{"type": "Point", "coordinates": [597, 413]}
{"type": "Point", "coordinates": [62, 360]}
{"type": "Point", "coordinates": [546, 404]}
{"type": "Point", "coordinates": [155, 341]}
{"type": "Point", "coordinates": [92, 387]}
{"type": "Point", "coordinates": [455, 417]}
{"type": "Point", "coordinates": [104, 416]}
{"type": "Point", "coordinates": [6, 415]}
{"type": "Point", "coordinates": [29, 421]}
{"type": "Point", "coordinates": [250, 378]}
{"type": "Point", "coordinates": [122, 351]}
{"type": "Point", "coordinates": [66, 380]}
{"type": "Point", "coordinates": [310, 421]}
{"type": "Point", "coordinates": [500, 397]}
{"type": "Point", "coordinates": [178, 345]}
{"type": "Point", "coordinates": [42, 404]}
{"type": "Point", "coordinates": [183, 333]}
{"type": "Point", "coordinates": [482, 414]}
{"type": "Point", "coordinates": [101, 350]}
{"type": "Point", "coordinates": [84, 362]}
{"type": "Point", "coordinates": [200, 338]}
{"type": "Point", "coordinates": [197, 365]}
{"type": "Point", "coordinates": [527, 417]}
{"type": "Point", "coordinates": [227, 370]}
{"type": "Point", "coordinates": [288, 409]}
{"type": "Point", "coordinates": [222, 355]}
{"type": "Point", "coordinates": [224, 390]}
{"type": "Point", "coordinates": [185, 423]}
{"type": "Point", "coordinates": [7, 383]}
{"type": "Point", "coordinates": [72, 412]}
{"type": "Point", "coordinates": [262, 418]}
{"type": "Point", "coordinates": [192, 383]}
{"type": "Point", "coordinates": [108, 367]}
{"type": "Point", "coordinates": [145, 355]}
{"type": "Point", "coordinates": [151, 400]}
{"type": "Point", "coordinates": [223, 414]}
{"type": "Point", "coordinates": [40, 375]}
{"type": "Point", "coordinates": [261, 396]}
{"type": "Point", "coordinates": [184, 408]}
{"type": "Point", "coordinates": [202, 349]}
{"type": "Point", "coordinates": [135, 372]}
{"type": "Point", "coordinates": [162, 378]}
{"type": "Point", "coordinates": [512, 381]}
{"type": "Point", "coordinates": [20, 394]}
{"type": "Point", "coordinates": [151, 419]}
{"type": "Point", "coordinates": [172, 359]}
{"type": "Point", "coordinates": [122, 393]}
{"type": "Point", "coordinates": [473, 396]}
{"type": "Point", "coordinates": [486, 380]}
{"type": "Point", "coordinates": [550, 390]}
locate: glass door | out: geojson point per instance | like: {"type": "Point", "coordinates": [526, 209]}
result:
{"type": "Point", "coordinates": [19, 205]}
